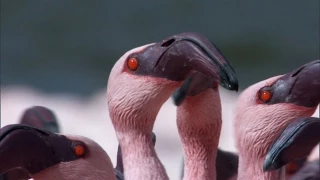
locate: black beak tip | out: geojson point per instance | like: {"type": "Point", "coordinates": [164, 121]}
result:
{"type": "Point", "coordinates": [266, 169]}
{"type": "Point", "coordinates": [232, 85]}
{"type": "Point", "coordinates": [269, 166]}
{"type": "Point", "coordinates": [154, 138]}
{"type": "Point", "coordinates": [228, 78]}
{"type": "Point", "coordinates": [271, 162]}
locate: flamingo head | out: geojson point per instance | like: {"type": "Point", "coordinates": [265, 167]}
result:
{"type": "Point", "coordinates": [145, 77]}
{"type": "Point", "coordinates": [42, 153]}
{"type": "Point", "coordinates": [40, 117]}
{"type": "Point", "coordinates": [264, 109]}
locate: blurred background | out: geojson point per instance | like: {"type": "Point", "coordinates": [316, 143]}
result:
{"type": "Point", "coordinates": [59, 54]}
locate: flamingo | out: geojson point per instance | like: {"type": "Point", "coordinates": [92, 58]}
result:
{"type": "Point", "coordinates": [142, 80]}
{"type": "Point", "coordinates": [139, 83]}
{"type": "Point", "coordinates": [296, 142]}
{"type": "Point", "coordinates": [44, 118]}
{"type": "Point", "coordinates": [50, 156]}
{"type": "Point", "coordinates": [36, 116]}
{"type": "Point", "coordinates": [199, 123]}
{"type": "Point", "coordinates": [40, 117]}
{"type": "Point", "coordinates": [264, 109]}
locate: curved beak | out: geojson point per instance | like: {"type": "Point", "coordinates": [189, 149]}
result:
{"type": "Point", "coordinates": [295, 142]}
{"type": "Point", "coordinates": [32, 149]}
{"type": "Point", "coordinates": [300, 87]}
{"type": "Point", "coordinates": [178, 56]}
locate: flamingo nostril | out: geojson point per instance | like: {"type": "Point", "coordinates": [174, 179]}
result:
{"type": "Point", "coordinates": [167, 43]}
{"type": "Point", "coordinates": [297, 71]}
{"type": "Point", "coordinates": [314, 65]}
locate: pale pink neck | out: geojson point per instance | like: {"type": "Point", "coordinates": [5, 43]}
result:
{"type": "Point", "coordinates": [140, 160]}
{"type": "Point", "coordinates": [200, 168]}
{"type": "Point", "coordinates": [251, 168]}
{"type": "Point", "coordinates": [199, 124]}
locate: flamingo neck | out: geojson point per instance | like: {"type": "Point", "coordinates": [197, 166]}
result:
{"type": "Point", "coordinates": [250, 167]}
{"type": "Point", "coordinates": [199, 124]}
{"type": "Point", "coordinates": [140, 160]}
{"type": "Point", "coordinates": [198, 168]}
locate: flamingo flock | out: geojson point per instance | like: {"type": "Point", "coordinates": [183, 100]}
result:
{"type": "Point", "coordinates": [273, 127]}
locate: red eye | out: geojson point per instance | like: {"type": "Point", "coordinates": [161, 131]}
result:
{"type": "Point", "coordinates": [133, 64]}
{"type": "Point", "coordinates": [265, 95]}
{"type": "Point", "coordinates": [79, 149]}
